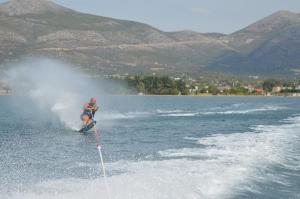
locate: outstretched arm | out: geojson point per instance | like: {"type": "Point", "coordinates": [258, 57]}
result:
{"type": "Point", "coordinates": [96, 108]}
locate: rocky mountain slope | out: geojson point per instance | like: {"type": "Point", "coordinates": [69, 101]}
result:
{"type": "Point", "coordinates": [105, 45]}
{"type": "Point", "coordinates": [270, 45]}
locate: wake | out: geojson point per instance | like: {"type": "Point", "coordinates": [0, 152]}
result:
{"type": "Point", "coordinates": [223, 166]}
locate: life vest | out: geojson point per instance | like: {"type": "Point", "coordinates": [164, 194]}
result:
{"type": "Point", "coordinates": [93, 107]}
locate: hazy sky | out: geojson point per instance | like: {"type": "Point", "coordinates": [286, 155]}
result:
{"type": "Point", "coordinates": [224, 16]}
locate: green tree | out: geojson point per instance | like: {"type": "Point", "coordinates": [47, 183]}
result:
{"type": "Point", "coordinates": [270, 83]}
{"type": "Point", "coordinates": [213, 90]}
{"type": "Point", "coordinates": [181, 85]}
{"type": "Point", "coordinates": [238, 91]}
{"type": "Point", "coordinates": [140, 87]}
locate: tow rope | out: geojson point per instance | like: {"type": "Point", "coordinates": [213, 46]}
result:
{"type": "Point", "coordinates": [102, 167]}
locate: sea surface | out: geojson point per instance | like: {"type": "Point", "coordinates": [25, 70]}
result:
{"type": "Point", "coordinates": [155, 148]}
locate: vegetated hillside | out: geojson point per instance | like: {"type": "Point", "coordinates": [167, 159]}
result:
{"type": "Point", "coordinates": [105, 45]}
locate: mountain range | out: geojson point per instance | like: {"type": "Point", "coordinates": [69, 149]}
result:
{"type": "Point", "coordinates": [102, 45]}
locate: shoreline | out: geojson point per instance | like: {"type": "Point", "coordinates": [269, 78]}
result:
{"type": "Point", "coordinates": [205, 95]}
{"type": "Point", "coordinates": [212, 95]}
{"type": "Point", "coordinates": [2, 94]}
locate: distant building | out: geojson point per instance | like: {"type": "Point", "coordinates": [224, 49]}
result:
{"type": "Point", "coordinates": [224, 87]}
{"type": "Point", "coordinates": [268, 94]}
{"type": "Point", "coordinates": [250, 88]}
{"type": "Point", "coordinates": [276, 89]}
{"type": "Point", "coordinates": [4, 89]}
{"type": "Point", "coordinates": [259, 91]}
{"type": "Point", "coordinates": [194, 89]}
{"type": "Point", "coordinates": [253, 77]}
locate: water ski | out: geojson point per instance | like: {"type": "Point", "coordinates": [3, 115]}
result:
{"type": "Point", "coordinates": [88, 127]}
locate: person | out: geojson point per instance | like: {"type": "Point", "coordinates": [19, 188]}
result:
{"type": "Point", "coordinates": [89, 110]}
{"type": "Point", "coordinates": [93, 106]}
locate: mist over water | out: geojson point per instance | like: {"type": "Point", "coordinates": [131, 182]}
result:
{"type": "Point", "coordinates": [54, 87]}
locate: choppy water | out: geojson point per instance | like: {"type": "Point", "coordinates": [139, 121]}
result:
{"type": "Point", "coordinates": [155, 148]}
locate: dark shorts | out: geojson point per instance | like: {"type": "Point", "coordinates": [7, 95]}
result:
{"type": "Point", "coordinates": [89, 114]}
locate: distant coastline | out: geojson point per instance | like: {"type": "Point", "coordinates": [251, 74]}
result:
{"type": "Point", "coordinates": [291, 96]}
{"type": "Point", "coordinates": [218, 95]}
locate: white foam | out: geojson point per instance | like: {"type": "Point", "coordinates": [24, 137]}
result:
{"type": "Point", "coordinates": [176, 113]}
{"type": "Point", "coordinates": [222, 166]}
{"type": "Point", "coordinates": [245, 111]}
{"type": "Point", "coordinates": [243, 158]}
{"type": "Point", "coordinates": [169, 111]}
{"type": "Point", "coordinates": [66, 107]}
{"type": "Point", "coordinates": [180, 115]}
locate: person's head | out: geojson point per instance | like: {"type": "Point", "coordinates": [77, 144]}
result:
{"type": "Point", "coordinates": [93, 100]}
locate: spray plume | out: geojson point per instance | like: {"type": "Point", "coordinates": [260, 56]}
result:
{"type": "Point", "coordinates": [54, 86]}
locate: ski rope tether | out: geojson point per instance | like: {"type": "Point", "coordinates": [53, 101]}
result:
{"type": "Point", "coordinates": [102, 162]}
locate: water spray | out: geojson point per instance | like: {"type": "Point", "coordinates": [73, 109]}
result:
{"type": "Point", "coordinates": [102, 162]}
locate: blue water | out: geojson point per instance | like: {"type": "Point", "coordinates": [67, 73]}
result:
{"type": "Point", "coordinates": [155, 147]}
